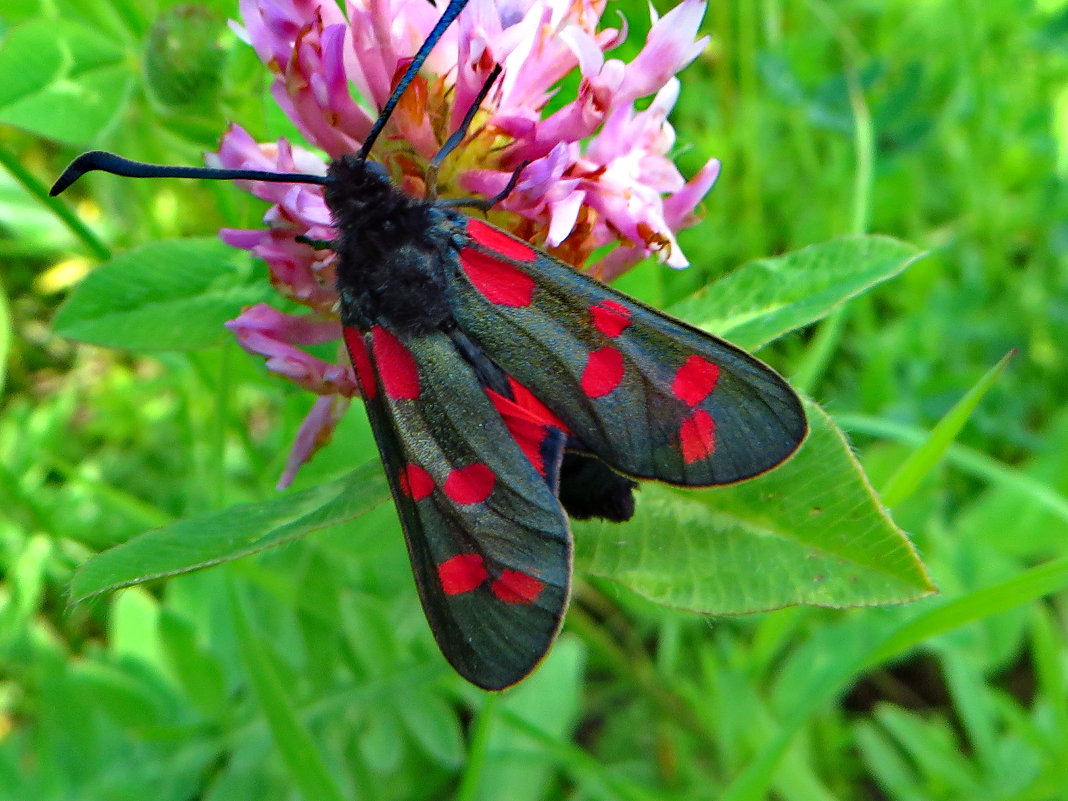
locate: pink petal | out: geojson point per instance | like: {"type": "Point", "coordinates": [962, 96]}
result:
{"type": "Point", "coordinates": [564, 213]}
{"type": "Point", "coordinates": [678, 208]}
{"type": "Point", "coordinates": [669, 48]}
{"type": "Point", "coordinates": [315, 432]}
{"type": "Point", "coordinates": [268, 332]}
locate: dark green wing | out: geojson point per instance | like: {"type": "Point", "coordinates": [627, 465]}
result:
{"type": "Point", "coordinates": [489, 542]}
{"type": "Point", "coordinates": [650, 395]}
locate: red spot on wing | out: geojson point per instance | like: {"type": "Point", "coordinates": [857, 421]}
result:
{"type": "Point", "coordinates": [415, 482]}
{"type": "Point", "coordinates": [396, 365]}
{"type": "Point", "coordinates": [695, 380]}
{"type": "Point", "coordinates": [603, 372]}
{"type": "Point", "coordinates": [471, 484]}
{"type": "Point", "coordinates": [361, 362]}
{"type": "Point", "coordinates": [697, 436]}
{"type": "Point", "coordinates": [530, 404]}
{"type": "Point", "coordinates": [515, 587]}
{"type": "Point", "coordinates": [527, 420]}
{"type": "Point", "coordinates": [498, 241]}
{"type": "Point", "coordinates": [500, 282]}
{"type": "Point", "coordinates": [462, 573]}
{"type": "Point", "coordinates": [610, 318]}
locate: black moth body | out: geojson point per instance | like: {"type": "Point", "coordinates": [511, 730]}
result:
{"type": "Point", "coordinates": [507, 390]}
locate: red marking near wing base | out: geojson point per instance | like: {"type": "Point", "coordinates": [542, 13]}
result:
{"type": "Point", "coordinates": [603, 372]}
{"type": "Point", "coordinates": [697, 434]}
{"type": "Point", "coordinates": [530, 403]}
{"type": "Point", "coordinates": [462, 573]}
{"type": "Point", "coordinates": [500, 283]}
{"type": "Point", "coordinates": [498, 241]}
{"type": "Point", "coordinates": [361, 362]}
{"type": "Point", "coordinates": [396, 365]}
{"type": "Point", "coordinates": [415, 482]}
{"type": "Point", "coordinates": [610, 318]}
{"type": "Point", "coordinates": [527, 420]}
{"type": "Point", "coordinates": [515, 587]}
{"type": "Point", "coordinates": [695, 380]}
{"type": "Point", "coordinates": [471, 484]}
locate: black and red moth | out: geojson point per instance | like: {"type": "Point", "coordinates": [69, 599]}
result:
{"type": "Point", "coordinates": [506, 391]}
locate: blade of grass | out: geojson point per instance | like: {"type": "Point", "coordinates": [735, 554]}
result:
{"type": "Point", "coordinates": [813, 364]}
{"type": "Point", "coordinates": [603, 781]}
{"type": "Point", "coordinates": [301, 757]}
{"type": "Point", "coordinates": [923, 460]}
{"type": "Point", "coordinates": [830, 681]}
{"type": "Point", "coordinates": [5, 336]}
{"type": "Point", "coordinates": [830, 331]}
{"type": "Point", "coordinates": [478, 752]}
{"type": "Point", "coordinates": [30, 183]}
{"type": "Point", "coordinates": [964, 459]}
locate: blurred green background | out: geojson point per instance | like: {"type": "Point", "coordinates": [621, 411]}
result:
{"type": "Point", "coordinates": [941, 122]}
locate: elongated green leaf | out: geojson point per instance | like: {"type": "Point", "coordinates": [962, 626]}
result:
{"type": "Point", "coordinates": [913, 470]}
{"type": "Point", "coordinates": [299, 752]}
{"type": "Point", "coordinates": [884, 641]}
{"type": "Point", "coordinates": [809, 532]}
{"type": "Point", "coordinates": [62, 80]}
{"type": "Point", "coordinates": [1030, 495]}
{"type": "Point", "coordinates": [230, 533]}
{"type": "Point", "coordinates": [5, 336]}
{"type": "Point", "coordinates": [174, 294]}
{"type": "Point", "coordinates": [764, 299]}
{"type": "Point", "coordinates": [550, 701]}
{"type": "Point", "coordinates": [433, 724]}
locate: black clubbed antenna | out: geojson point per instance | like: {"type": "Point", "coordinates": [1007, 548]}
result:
{"type": "Point", "coordinates": [117, 165]}
{"type": "Point", "coordinates": [447, 17]}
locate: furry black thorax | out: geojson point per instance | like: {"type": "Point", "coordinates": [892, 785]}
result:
{"type": "Point", "coordinates": [391, 250]}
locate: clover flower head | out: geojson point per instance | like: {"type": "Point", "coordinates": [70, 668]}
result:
{"type": "Point", "coordinates": [598, 172]}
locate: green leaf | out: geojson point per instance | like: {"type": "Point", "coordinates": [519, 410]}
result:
{"type": "Point", "coordinates": [1036, 503]}
{"type": "Point", "coordinates": [183, 59]}
{"type": "Point", "coordinates": [195, 667]}
{"type": "Point", "coordinates": [923, 460]}
{"type": "Point", "coordinates": [550, 701]}
{"type": "Point", "coordinates": [174, 294]}
{"type": "Point", "coordinates": [764, 299]}
{"type": "Point", "coordinates": [5, 336]}
{"type": "Point", "coordinates": [433, 724]}
{"type": "Point", "coordinates": [230, 533]}
{"type": "Point", "coordinates": [121, 694]}
{"type": "Point", "coordinates": [296, 746]}
{"type": "Point", "coordinates": [828, 678]}
{"type": "Point", "coordinates": [62, 80]}
{"type": "Point", "coordinates": [808, 532]}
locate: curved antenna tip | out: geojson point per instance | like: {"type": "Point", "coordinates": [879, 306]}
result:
{"type": "Point", "coordinates": [76, 169]}
{"type": "Point", "coordinates": [117, 165]}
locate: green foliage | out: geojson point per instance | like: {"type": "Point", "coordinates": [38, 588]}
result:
{"type": "Point", "coordinates": [168, 295]}
{"type": "Point", "coordinates": [307, 670]}
{"type": "Point", "coordinates": [810, 531]}
{"type": "Point", "coordinates": [764, 299]}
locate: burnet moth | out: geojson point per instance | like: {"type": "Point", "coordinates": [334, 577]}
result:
{"type": "Point", "coordinates": [507, 391]}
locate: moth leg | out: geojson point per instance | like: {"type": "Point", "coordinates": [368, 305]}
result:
{"type": "Point", "coordinates": [318, 244]}
{"type": "Point", "coordinates": [485, 204]}
{"type": "Point", "coordinates": [457, 136]}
